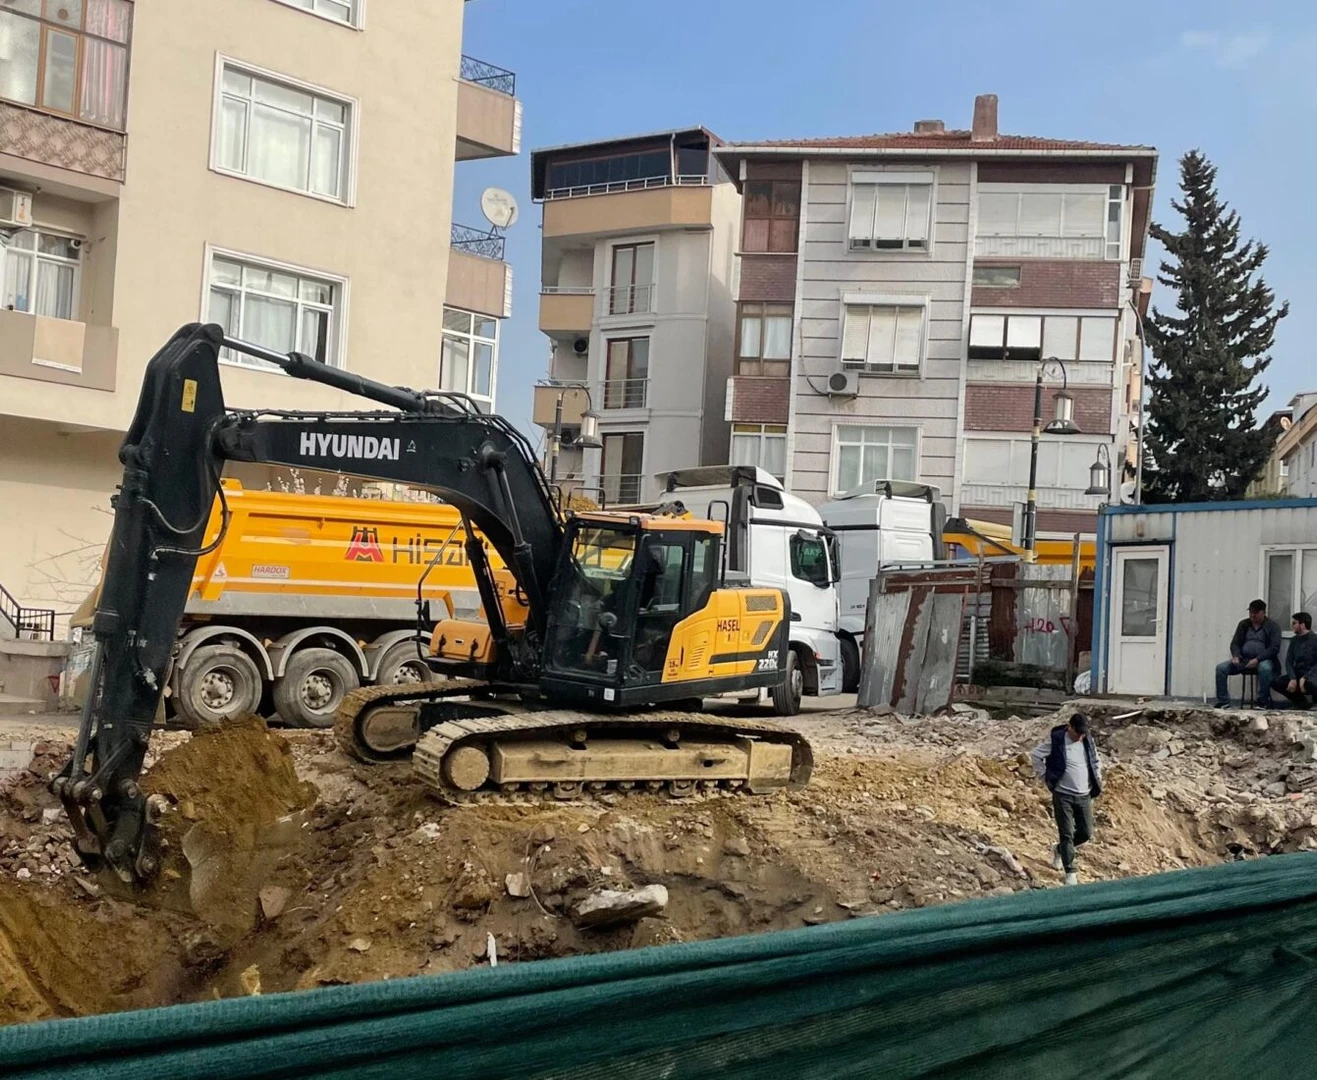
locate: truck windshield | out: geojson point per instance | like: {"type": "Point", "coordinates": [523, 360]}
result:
{"type": "Point", "coordinates": [809, 560]}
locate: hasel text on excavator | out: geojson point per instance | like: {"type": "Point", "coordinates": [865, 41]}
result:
{"type": "Point", "coordinates": [594, 647]}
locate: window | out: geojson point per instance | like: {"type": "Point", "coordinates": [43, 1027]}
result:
{"type": "Point", "coordinates": [762, 445]}
{"type": "Point", "coordinates": [623, 466]}
{"type": "Point", "coordinates": [466, 361]}
{"type": "Point", "coordinates": [1004, 462]}
{"type": "Point", "coordinates": [281, 134]}
{"type": "Point", "coordinates": [67, 56]}
{"type": "Point", "coordinates": [997, 277]}
{"type": "Point", "coordinates": [1032, 337]}
{"type": "Point", "coordinates": [764, 341]}
{"type": "Point", "coordinates": [1080, 221]}
{"type": "Point", "coordinates": [622, 170]}
{"type": "Point", "coordinates": [283, 309]}
{"type": "Point", "coordinates": [41, 273]}
{"type": "Point", "coordinates": [1290, 583]}
{"type": "Point", "coordinates": [883, 339]}
{"type": "Point", "coordinates": [344, 11]}
{"type": "Point", "coordinates": [809, 559]}
{"type": "Point", "coordinates": [890, 211]}
{"type": "Point", "coordinates": [627, 376]}
{"type": "Point", "coordinates": [632, 289]}
{"type": "Point", "coordinates": [864, 454]}
{"type": "Point", "coordinates": [772, 215]}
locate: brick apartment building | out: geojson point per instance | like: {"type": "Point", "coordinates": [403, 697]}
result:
{"type": "Point", "coordinates": [897, 293]}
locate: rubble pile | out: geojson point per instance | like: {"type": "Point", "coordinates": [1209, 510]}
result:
{"type": "Point", "coordinates": [377, 880]}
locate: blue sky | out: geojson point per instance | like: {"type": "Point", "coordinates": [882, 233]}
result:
{"type": "Point", "coordinates": [1237, 81]}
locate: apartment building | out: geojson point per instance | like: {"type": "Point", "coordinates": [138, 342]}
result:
{"type": "Point", "coordinates": [636, 299]}
{"type": "Point", "coordinates": [896, 296]}
{"type": "Point", "coordinates": [1274, 477]}
{"type": "Point", "coordinates": [281, 167]}
{"type": "Point", "coordinates": [1295, 456]}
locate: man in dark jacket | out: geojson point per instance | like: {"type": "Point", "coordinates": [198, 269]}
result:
{"type": "Point", "coordinates": [1255, 649]}
{"type": "Point", "coordinates": [1068, 764]}
{"type": "Point", "coordinates": [1301, 663]}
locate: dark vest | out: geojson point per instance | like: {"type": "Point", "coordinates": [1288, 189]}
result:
{"type": "Point", "coordinates": [1056, 762]}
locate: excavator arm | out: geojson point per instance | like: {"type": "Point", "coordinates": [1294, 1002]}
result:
{"type": "Point", "coordinates": [172, 457]}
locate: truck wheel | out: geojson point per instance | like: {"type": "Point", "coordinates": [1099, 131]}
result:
{"type": "Point", "coordinates": [850, 666]}
{"type": "Point", "coordinates": [787, 693]}
{"type": "Point", "coordinates": [314, 684]}
{"type": "Point", "coordinates": [400, 665]}
{"type": "Point", "coordinates": [219, 682]}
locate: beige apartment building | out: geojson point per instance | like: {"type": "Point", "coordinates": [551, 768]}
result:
{"type": "Point", "coordinates": [636, 299]}
{"type": "Point", "coordinates": [282, 167]}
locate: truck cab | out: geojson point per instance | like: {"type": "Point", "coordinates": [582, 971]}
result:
{"type": "Point", "coordinates": [774, 539]}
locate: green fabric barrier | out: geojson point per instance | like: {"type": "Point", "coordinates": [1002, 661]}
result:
{"type": "Point", "coordinates": [1203, 973]}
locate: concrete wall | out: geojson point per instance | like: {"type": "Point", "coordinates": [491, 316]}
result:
{"type": "Point", "coordinates": [827, 271]}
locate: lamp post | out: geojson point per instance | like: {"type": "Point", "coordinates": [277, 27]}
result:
{"type": "Point", "coordinates": [1099, 473]}
{"type": "Point", "coordinates": [1062, 424]}
{"type": "Point", "coordinates": [587, 439]}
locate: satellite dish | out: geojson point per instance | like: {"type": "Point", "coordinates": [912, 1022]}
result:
{"type": "Point", "coordinates": [499, 207]}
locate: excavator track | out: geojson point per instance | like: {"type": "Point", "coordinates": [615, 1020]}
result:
{"type": "Point", "coordinates": [502, 750]}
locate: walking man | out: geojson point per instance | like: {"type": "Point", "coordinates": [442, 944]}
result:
{"type": "Point", "coordinates": [1068, 764]}
{"type": "Point", "coordinates": [1301, 663]}
{"type": "Point", "coordinates": [1255, 649]}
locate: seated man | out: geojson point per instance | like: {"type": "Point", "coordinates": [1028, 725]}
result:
{"type": "Point", "coordinates": [1255, 648]}
{"type": "Point", "coordinates": [1301, 663]}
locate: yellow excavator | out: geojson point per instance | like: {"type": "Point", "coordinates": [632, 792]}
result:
{"type": "Point", "coordinates": [598, 621]}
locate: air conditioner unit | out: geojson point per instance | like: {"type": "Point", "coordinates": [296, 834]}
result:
{"type": "Point", "coordinates": [15, 209]}
{"type": "Point", "coordinates": [843, 384]}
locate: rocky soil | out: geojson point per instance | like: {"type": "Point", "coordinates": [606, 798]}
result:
{"type": "Point", "coordinates": [349, 873]}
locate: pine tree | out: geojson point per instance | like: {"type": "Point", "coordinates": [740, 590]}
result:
{"type": "Point", "coordinates": [1204, 442]}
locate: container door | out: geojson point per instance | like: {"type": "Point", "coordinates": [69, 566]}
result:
{"type": "Point", "coordinates": [1137, 634]}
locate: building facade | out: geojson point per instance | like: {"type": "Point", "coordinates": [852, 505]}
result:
{"type": "Point", "coordinates": [636, 299]}
{"type": "Point", "coordinates": [897, 294]}
{"type": "Point", "coordinates": [257, 163]}
{"type": "Point", "coordinates": [1296, 452]}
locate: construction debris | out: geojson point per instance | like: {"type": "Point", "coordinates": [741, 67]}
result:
{"type": "Point", "coordinates": [608, 907]}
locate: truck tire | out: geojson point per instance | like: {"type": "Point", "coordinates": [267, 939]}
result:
{"type": "Point", "coordinates": [850, 666]}
{"type": "Point", "coordinates": [312, 687]}
{"type": "Point", "coordinates": [787, 693]}
{"type": "Point", "coordinates": [400, 666]}
{"type": "Point", "coordinates": [218, 683]}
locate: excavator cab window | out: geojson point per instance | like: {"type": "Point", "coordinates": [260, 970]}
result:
{"type": "Point", "coordinates": [680, 574]}
{"type": "Point", "coordinates": [590, 628]}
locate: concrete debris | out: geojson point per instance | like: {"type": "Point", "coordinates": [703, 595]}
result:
{"type": "Point", "coordinates": [609, 907]}
{"type": "Point", "coordinates": [518, 885]}
{"type": "Point", "coordinates": [250, 981]}
{"type": "Point", "coordinates": [1258, 724]}
{"type": "Point", "coordinates": [273, 899]}
{"type": "Point", "coordinates": [359, 945]}
{"type": "Point", "coordinates": [736, 845]}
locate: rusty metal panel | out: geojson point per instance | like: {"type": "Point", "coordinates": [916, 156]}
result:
{"type": "Point", "coordinates": [937, 673]}
{"type": "Point", "coordinates": [1043, 619]}
{"type": "Point", "coordinates": [884, 628]}
{"type": "Point", "coordinates": [910, 657]}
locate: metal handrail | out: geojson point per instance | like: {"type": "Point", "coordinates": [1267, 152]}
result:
{"type": "Point", "coordinates": [621, 487]}
{"type": "Point", "coordinates": [478, 242]}
{"type": "Point", "coordinates": [567, 290]}
{"type": "Point", "coordinates": [640, 184]}
{"type": "Point", "coordinates": [630, 299]}
{"type": "Point", "coordinates": [30, 624]}
{"type": "Point", "coordinates": [625, 393]}
{"type": "Point", "coordinates": [488, 75]}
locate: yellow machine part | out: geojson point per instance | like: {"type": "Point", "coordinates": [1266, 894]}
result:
{"type": "Point", "coordinates": [731, 635]}
{"type": "Point", "coordinates": [992, 540]}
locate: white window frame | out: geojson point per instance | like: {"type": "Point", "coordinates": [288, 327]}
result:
{"type": "Point", "coordinates": [883, 300]}
{"type": "Point", "coordinates": [36, 257]}
{"type": "Point", "coordinates": [880, 179]}
{"type": "Point", "coordinates": [356, 21]}
{"type": "Point", "coordinates": [1109, 195]}
{"type": "Point", "coordinates": [628, 317]}
{"type": "Point", "coordinates": [1297, 589]}
{"type": "Point", "coordinates": [834, 457]}
{"type": "Point", "coordinates": [1020, 451]}
{"type": "Point", "coordinates": [350, 128]}
{"type": "Point", "coordinates": [471, 338]}
{"type": "Point", "coordinates": [1006, 314]}
{"type": "Point", "coordinates": [336, 354]}
{"type": "Point", "coordinates": [761, 434]}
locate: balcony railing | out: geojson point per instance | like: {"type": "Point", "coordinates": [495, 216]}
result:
{"type": "Point", "coordinates": [567, 290]}
{"type": "Point", "coordinates": [1050, 497]}
{"type": "Point", "coordinates": [1041, 247]}
{"type": "Point", "coordinates": [630, 299]}
{"type": "Point", "coordinates": [693, 180]}
{"type": "Point", "coordinates": [487, 75]}
{"type": "Point", "coordinates": [625, 393]}
{"type": "Point", "coordinates": [486, 245]}
{"type": "Point", "coordinates": [621, 488]}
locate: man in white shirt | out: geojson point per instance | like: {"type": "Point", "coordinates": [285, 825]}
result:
{"type": "Point", "coordinates": [1068, 764]}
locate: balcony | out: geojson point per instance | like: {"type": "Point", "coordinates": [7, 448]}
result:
{"type": "Point", "coordinates": [478, 278]}
{"type": "Point", "coordinates": [566, 309]}
{"type": "Point", "coordinates": [544, 406]}
{"type": "Point", "coordinates": [629, 206]}
{"type": "Point", "coordinates": [621, 488]}
{"type": "Point", "coordinates": [58, 351]}
{"type": "Point", "coordinates": [625, 393]}
{"type": "Point", "coordinates": [1007, 495]}
{"type": "Point", "coordinates": [630, 299]}
{"type": "Point", "coordinates": [488, 111]}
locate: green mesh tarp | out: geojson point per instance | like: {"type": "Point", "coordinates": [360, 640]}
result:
{"type": "Point", "coordinates": [1203, 974]}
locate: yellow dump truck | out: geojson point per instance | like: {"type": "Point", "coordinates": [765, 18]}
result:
{"type": "Point", "coordinates": [308, 597]}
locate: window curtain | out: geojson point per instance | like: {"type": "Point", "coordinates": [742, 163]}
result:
{"type": "Point", "coordinates": [104, 63]}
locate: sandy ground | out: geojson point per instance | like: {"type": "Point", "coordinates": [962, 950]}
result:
{"type": "Point", "coordinates": [352, 873]}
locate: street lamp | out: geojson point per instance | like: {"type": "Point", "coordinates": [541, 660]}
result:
{"type": "Point", "coordinates": [1062, 424]}
{"type": "Point", "coordinates": [1099, 473]}
{"type": "Point", "coordinates": [586, 439]}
